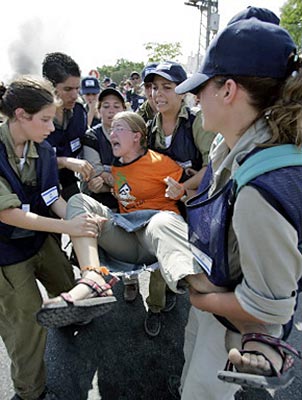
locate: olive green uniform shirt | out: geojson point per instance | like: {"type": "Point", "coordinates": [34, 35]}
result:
{"type": "Point", "coordinates": [202, 139]}
{"type": "Point", "coordinates": [8, 199]}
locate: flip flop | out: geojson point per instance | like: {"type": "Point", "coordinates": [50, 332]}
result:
{"type": "Point", "coordinates": [278, 379]}
{"type": "Point", "coordinates": [68, 311]}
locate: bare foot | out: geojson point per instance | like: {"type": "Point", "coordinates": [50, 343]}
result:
{"type": "Point", "coordinates": [256, 364]}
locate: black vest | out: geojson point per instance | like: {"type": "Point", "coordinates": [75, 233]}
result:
{"type": "Point", "coordinates": [182, 148]}
{"type": "Point", "coordinates": [96, 139]}
{"type": "Point", "coordinates": [18, 244]}
{"type": "Point", "coordinates": [67, 142]}
{"type": "Point", "coordinates": [209, 219]}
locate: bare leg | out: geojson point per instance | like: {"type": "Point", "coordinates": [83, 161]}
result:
{"type": "Point", "coordinates": [86, 250]}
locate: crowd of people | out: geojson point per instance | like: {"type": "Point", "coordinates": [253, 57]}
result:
{"type": "Point", "coordinates": [211, 195]}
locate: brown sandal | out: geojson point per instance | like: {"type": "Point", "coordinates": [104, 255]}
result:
{"type": "Point", "coordinates": [277, 379]}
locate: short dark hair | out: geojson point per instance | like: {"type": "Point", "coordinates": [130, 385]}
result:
{"type": "Point", "coordinates": [57, 67]}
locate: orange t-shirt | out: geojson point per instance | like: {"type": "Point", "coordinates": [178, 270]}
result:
{"type": "Point", "coordinates": [140, 184]}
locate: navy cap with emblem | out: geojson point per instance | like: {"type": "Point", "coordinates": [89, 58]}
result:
{"type": "Point", "coordinates": [170, 70]}
{"type": "Point", "coordinates": [90, 85]}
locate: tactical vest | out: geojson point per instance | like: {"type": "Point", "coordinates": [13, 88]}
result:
{"type": "Point", "coordinates": [96, 139]}
{"type": "Point", "coordinates": [274, 172]}
{"type": "Point", "coordinates": [135, 99]}
{"type": "Point", "coordinates": [67, 142]}
{"type": "Point", "coordinates": [209, 218]}
{"type": "Point", "coordinates": [18, 244]}
{"type": "Point", "coordinates": [182, 148]}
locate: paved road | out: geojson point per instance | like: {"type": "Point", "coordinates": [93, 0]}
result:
{"type": "Point", "coordinates": [113, 359]}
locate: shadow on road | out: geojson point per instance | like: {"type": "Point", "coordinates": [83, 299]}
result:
{"type": "Point", "coordinates": [113, 359]}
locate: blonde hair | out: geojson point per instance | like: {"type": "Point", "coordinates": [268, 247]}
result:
{"type": "Point", "coordinates": [135, 122]}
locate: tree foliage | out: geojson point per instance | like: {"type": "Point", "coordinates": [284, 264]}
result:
{"type": "Point", "coordinates": [158, 52]}
{"type": "Point", "coordinates": [291, 20]}
{"type": "Point", "coordinates": [121, 70]}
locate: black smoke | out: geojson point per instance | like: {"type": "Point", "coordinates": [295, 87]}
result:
{"type": "Point", "coordinates": [24, 53]}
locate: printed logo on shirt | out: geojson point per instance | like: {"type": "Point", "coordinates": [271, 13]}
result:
{"type": "Point", "coordinates": [123, 194]}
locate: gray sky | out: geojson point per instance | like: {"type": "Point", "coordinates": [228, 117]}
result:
{"type": "Point", "coordinates": [97, 33]}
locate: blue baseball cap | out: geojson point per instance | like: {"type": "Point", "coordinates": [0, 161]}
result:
{"type": "Point", "coordinates": [150, 67]}
{"type": "Point", "coordinates": [263, 14]}
{"type": "Point", "coordinates": [170, 70]}
{"type": "Point", "coordinates": [89, 85]}
{"type": "Point", "coordinates": [248, 47]}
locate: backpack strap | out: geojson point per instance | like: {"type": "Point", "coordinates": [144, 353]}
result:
{"type": "Point", "coordinates": [267, 160]}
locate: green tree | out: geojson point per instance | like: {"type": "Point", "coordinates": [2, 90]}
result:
{"type": "Point", "coordinates": [291, 19]}
{"type": "Point", "coordinates": [158, 52]}
{"type": "Point", "coordinates": [120, 71]}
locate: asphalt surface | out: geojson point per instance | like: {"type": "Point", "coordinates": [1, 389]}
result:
{"type": "Point", "coordinates": [113, 359]}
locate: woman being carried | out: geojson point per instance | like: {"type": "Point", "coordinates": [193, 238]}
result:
{"type": "Point", "coordinates": [135, 235]}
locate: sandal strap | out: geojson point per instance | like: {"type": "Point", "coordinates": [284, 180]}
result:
{"type": "Point", "coordinates": [67, 297]}
{"type": "Point", "coordinates": [277, 344]}
{"type": "Point", "coordinates": [100, 270]}
{"type": "Point", "coordinates": [99, 289]}
{"type": "Point", "coordinates": [103, 271]}
{"type": "Point", "coordinates": [113, 280]}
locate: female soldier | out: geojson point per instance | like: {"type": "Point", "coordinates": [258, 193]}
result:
{"type": "Point", "coordinates": [29, 190]}
{"type": "Point", "coordinates": [177, 132]}
{"type": "Point", "coordinates": [246, 238]}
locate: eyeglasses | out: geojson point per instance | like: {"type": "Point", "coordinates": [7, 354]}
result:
{"type": "Point", "coordinates": [119, 129]}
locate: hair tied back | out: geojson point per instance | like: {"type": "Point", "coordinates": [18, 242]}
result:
{"type": "Point", "coordinates": [294, 65]}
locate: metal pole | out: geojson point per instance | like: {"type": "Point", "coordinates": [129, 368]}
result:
{"type": "Point", "coordinates": [209, 13]}
{"type": "Point", "coordinates": [210, 7]}
{"type": "Point", "coordinates": [199, 40]}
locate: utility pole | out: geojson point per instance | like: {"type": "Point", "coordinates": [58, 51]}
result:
{"type": "Point", "coordinates": [209, 23]}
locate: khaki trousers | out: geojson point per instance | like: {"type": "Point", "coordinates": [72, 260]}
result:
{"type": "Point", "coordinates": [205, 354]}
{"type": "Point", "coordinates": [20, 299]}
{"type": "Point", "coordinates": [164, 239]}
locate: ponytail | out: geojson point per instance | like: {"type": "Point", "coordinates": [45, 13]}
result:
{"type": "Point", "coordinates": [285, 116]}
